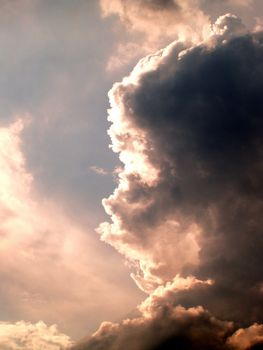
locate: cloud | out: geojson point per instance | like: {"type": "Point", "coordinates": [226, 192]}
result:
{"type": "Point", "coordinates": [41, 248]}
{"type": "Point", "coordinates": [249, 338]}
{"type": "Point", "coordinates": [170, 18]}
{"type": "Point", "coordinates": [157, 18]}
{"type": "Point", "coordinates": [153, 24]}
{"type": "Point", "coordinates": [42, 76]}
{"type": "Point", "coordinates": [161, 325]}
{"type": "Point", "coordinates": [227, 27]}
{"type": "Point", "coordinates": [187, 124]}
{"type": "Point", "coordinates": [244, 3]}
{"type": "Point", "coordinates": [99, 170]}
{"type": "Point", "coordinates": [27, 336]}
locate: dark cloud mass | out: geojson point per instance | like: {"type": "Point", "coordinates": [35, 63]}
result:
{"type": "Point", "coordinates": [169, 332]}
{"type": "Point", "coordinates": [187, 212]}
{"type": "Point", "coordinates": [205, 122]}
{"type": "Point", "coordinates": [162, 326]}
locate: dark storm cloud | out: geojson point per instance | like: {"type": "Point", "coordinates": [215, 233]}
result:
{"type": "Point", "coordinates": [188, 332]}
{"type": "Point", "coordinates": [207, 125]}
{"type": "Point", "coordinates": [188, 126]}
{"type": "Point", "coordinates": [189, 129]}
{"type": "Point", "coordinates": [163, 326]}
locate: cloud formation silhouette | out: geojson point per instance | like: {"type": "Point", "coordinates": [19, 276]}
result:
{"type": "Point", "coordinates": [163, 326]}
{"type": "Point", "coordinates": [187, 124]}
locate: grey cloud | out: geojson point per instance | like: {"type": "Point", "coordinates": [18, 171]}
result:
{"type": "Point", "coordinates": [191, 332]}
{"type": "Point", "coordinates": [208, 126]}
{"type": "Point", "coordinates": [193, 120]}
{"type": "Point", "coordinates": [163, 326]}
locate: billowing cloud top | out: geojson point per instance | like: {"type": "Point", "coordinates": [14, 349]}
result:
{"type": "Point", "coordinates": [152, 24]}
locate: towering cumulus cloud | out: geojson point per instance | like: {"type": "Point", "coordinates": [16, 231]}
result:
{"type": "Point", "coordinates": [187, 212]}
{"type": "Point", "coordinates": [187, 124]}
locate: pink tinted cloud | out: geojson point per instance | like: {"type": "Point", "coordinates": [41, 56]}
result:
{"type": "Point", "coordinates": [42, 250]}
{"type": "Point", "coordinates": [27, 336]}
{"type": "Point", "coordinates": [168, 214]}
{"type": "Point", "coordinates": [164, 325]}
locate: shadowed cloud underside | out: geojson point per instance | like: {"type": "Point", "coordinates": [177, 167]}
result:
{"type": "Point", "coordinates": [187, 124]}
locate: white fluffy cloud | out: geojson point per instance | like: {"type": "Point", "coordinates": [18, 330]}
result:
{"type": "Point", "coordinates": [27, 336]}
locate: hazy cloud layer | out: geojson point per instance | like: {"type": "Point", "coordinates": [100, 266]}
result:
{"type": "Point", "coordinates": [169, 19]}
{"type": "Point", "coordinates": [153, 24]}
{"type": "Point", "coordinates": [41, 250]}
{"type": "Point", "coordinates": [188, 126]}
{"type": "Point", "coordinates": [157, 18]}
{"type": "Point", "coordinates": [27, 336]}
{"type": "Point", "coordinates": [53, 66]}
{"type": "Point", "coordinates": [53, 56]}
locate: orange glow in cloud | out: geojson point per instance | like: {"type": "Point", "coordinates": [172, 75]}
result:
{"type": "Point", "coordinates": [41, 250]}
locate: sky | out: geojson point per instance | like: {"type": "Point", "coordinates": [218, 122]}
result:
{"type": "Point", "coordinates": [131, 138]}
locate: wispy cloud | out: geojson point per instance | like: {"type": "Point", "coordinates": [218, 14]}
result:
{"type": "Point", "coordinates": [152, 24]}
{"type": "Point", "coordinates": [41, 248]}
{"type": "Point", "coordinates": [99, 170]}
